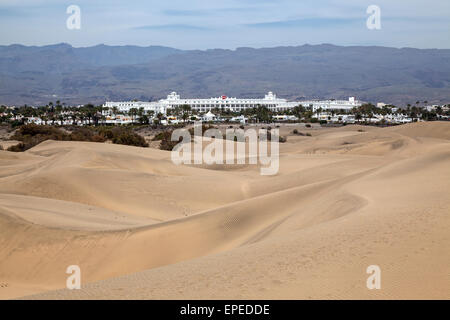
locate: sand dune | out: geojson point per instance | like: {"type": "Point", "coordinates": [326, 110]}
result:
{"type": "Point", "coordinates": [141, 227]}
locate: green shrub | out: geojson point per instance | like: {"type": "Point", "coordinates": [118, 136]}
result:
{"type": "Point", "coordinates": [159, 136]}
{"type": "Point", "coordinates": [18, 148]}
{"type": "Point", "coordinates": [268, 137]}
{"type": "Point", "coordinates": [204, 128]}
{"type": "Point", "coordinates": [16, 123]}
{"type": "Point", "coordinates": [107, 133]}
{"type": "Point", "coordinates": [31, 135]}
{"type": "Point", "coordinates": [97, 138]}
{"type": "Point", "coordinates": [166, 141]}
{"type": "Point", "coordinates": [86, 134]}
{"type": "Point", "coordinates": [128, 137]}
{"type": "Point", "coordinates": [297, 132]}
{"type": "Point", "coordinates": [34, 130]}
{"type": "Point", "coordinates": [118, 135]}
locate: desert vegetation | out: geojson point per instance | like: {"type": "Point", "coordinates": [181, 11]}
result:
{"type": "Point", "coordinates": [298, 133]}
{"type": "Point", "coordinates": [31, 135]}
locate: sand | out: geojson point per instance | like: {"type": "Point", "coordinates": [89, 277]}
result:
{"type": "Point", "coordinates": [141, 227]}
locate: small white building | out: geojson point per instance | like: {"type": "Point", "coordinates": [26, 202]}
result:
{"type": "Point", "coordinates": [332, 105]}
{"type": "Point", "coordinates": [209, 116]}
{"type": "Point", "coordinates": [242, 119]}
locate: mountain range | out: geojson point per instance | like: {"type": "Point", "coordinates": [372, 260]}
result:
{"type": "Point", "coordinates": [35, 75]}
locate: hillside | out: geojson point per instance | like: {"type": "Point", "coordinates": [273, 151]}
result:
{"type": "Point", "coordinates": [36, 75]}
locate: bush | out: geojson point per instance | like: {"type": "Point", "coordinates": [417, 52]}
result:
{"type": "Point", "coordinates": [159, 136]}
{"type": "Point", "coordinates": [16, 123]}
{"type": "Point", "coordinates": [107, 133]}
{"type": "Point", "coordinates": [18, 148]}
{"type": "Point", "coordinates": [297, 132]}
{"type": "Point", "coordinates": [308, 134]}
{"type": "Point", "coordinates": [204, 128]}
{"type": "Point", "coordinates": [33, 130]}
{"type": "Point", "coordinates": [268, 137]}
{"type": "Point", "coordinates": [126, 137]}
{"type": "Point", "coordinates": [31, 135]}
{"type": "Point", "coordinates": [241, 127]}
{"type": "Point", "coordinates": [166, 141]}
{"type": "Point", "coordinates": [118, 135]}
{"type": "Point", "coordinates": [98, 138]}
{"type": "Point", "coordinates": [308, 125]}
{"type": "Point", "coordinates": [87, 134]}
{"type": "Point", "coordinates": [130, 139]}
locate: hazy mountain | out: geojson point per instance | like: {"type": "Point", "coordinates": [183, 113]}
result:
{"type": "Point", "coordinates": [36, 75]}
{"type": "Point", "coordinates": [59, 58]}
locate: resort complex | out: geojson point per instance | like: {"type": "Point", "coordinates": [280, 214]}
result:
{"type": "Point", "coordinates": [223, 109]}
{"type": "Point", "coordinates": [270, 101]}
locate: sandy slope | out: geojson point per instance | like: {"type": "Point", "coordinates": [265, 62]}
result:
{"type": "Point", "coordinates": [141, 227]}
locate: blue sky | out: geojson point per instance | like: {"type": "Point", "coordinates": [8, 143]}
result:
{"type": "Point", "coordinates": [205, 24]}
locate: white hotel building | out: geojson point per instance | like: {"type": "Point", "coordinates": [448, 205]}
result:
{"type": "Point", "coordinates": [233, 104]}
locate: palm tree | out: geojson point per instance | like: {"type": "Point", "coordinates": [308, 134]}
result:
{"type": "Point", "coordinates": [159, 116]}
{"type": "Point", "coordinates": [263, 114]}
{"type": "Point", "coordinates": [140, 112]}
{"type": "Point", "coordinates": [133, 112]}
{"type": "Point", "coordinates": [186, 109]}
{"type": "Point", "coordinates": [150, 114]}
